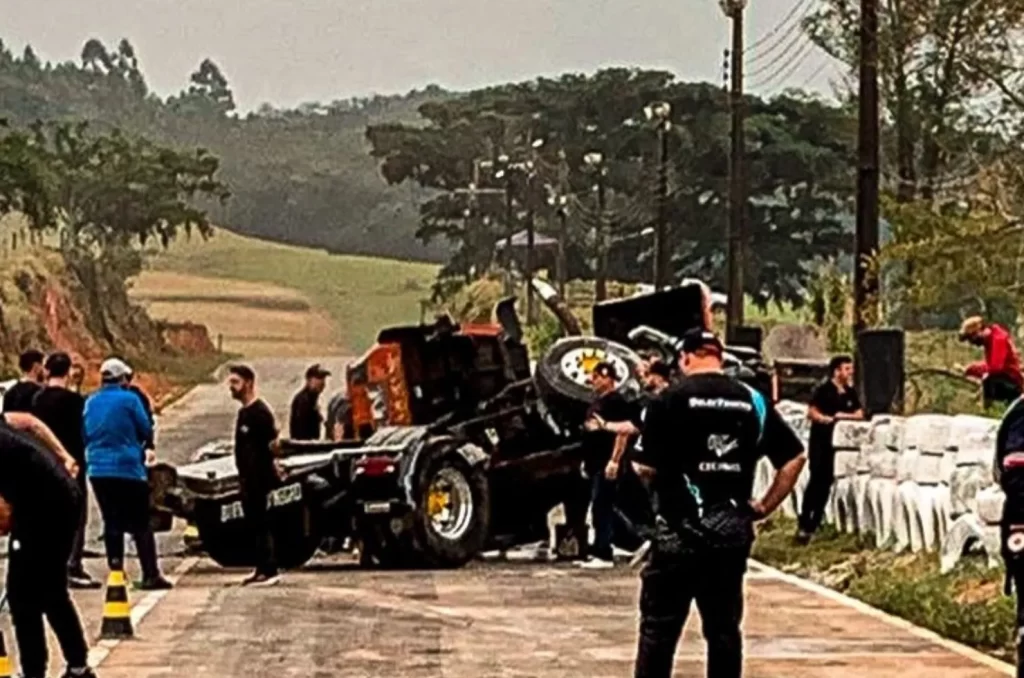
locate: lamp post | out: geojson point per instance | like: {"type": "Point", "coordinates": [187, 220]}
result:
{"type": "Point", "coordinates": [734, 234]}
{"type": "Point", "coordinates": [660, 113]}
{"type": "Point", "coordinates": [595, 161]}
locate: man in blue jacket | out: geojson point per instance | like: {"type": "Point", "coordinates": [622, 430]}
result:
{"type": "Point", "coordinates": [116, 430]}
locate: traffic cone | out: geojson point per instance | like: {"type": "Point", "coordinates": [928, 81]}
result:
{"type": "Point", "coordinates": [191, 538]}
{"type": "Point", "coordinates": [117, 617]}
{"type": "Point", "coordinates": [5, 661]}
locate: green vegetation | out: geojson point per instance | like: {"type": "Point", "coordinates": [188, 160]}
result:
{"type": "Point", "coordinates": [361, 294]}
{"type": "Point", "coordinates": [965, 605]}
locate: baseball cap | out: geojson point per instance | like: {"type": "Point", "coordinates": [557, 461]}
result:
{"type": "Point", "coordinates": [115, 368]}
{"type": "Point", "coordinates": [317, 371]}
{"type": "Point", "coordinates": [697, 339]}
{"type": "Point", "coordinates": [972, 325]}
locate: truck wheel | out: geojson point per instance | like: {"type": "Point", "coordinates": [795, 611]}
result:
{"type": "Point", "coordinates": [453, 511]}
{"type": "Point", "coordinates": [231, 544]}
{"type": "Point", "coordinates": [563, 375]}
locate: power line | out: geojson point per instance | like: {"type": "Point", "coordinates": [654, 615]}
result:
{"type": "Point", "coordinates": [764, 68]}
{"type": "Point", "coordinates": [787, 70]}
{"type": "Point", "coordinates": [756, 54]}
{"type": "Point", "coordinates": [815, 73]}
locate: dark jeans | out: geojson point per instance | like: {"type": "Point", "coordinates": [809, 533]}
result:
{"type": "Point", "coordinates": [37, 586]}
{"type": "Point", "coordinates": [78, 548]}
{"type": "Point", "coordinates": [254, 506]}
{"type": "Point", "coordinates": [670, 583]}
{"type": "Point", "coordinates": [819, 488]}
{"type": "Point", "coordinates": [124, 505]}
{"type": "Point", "coordinates": [602, 507]}
{"type": "Point", "coordinates": [997, 388]}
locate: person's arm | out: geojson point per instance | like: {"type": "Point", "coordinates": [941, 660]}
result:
{"type": "Point", "coordinates": [621, 428]}
{"type": "Point", "coordinates": [654, 439]}
{"type": "Point", "coordinates": [143, 424]}
{"type": "Point", "coordinates": [814, 412]}
{"type": "Point", "coordinates": [611, 471]}
{"type": "Point", "coordinates": [786, 452]}
{"type": "Point", "coordinates": [26, 423]}
{"type": "Point", "coordinates": [978, 370]}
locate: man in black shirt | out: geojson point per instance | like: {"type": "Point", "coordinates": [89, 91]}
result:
{"type": "Point", "coordinates": [1009, 473]}
{"type": "Point", "coordinates": [306, 422]}
{"type": "Point", "coordinates": [19, 397]}
{"type": "Point", "coordinates": [607, 427]}
{"type": "Point", "coordinates": [258, 473]}
{"type": "Point", "coordinates": [40, 497]}
{"type": "Point", "coordinates": [700, 444]}
{"type": "Point", "coordinates": [61, 409]}
{"type": "Point", "coordinates": [834, 400]}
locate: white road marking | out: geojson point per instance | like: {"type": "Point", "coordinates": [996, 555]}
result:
{"type": "Point", "coordinates": [867, 610]}
{"type": "Point", "coordinates": [99, 653]}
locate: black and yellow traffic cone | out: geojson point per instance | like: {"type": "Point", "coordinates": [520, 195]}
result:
{"type": "Point", "coordinates": [5, 661]}
{"type": "Point", "coordinates": [193, 544]}
{"type": "Point", "coordinates": [117, 613]}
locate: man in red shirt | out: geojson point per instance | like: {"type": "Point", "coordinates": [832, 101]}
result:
{"type": "Point", "coordinates": [1000, 371]}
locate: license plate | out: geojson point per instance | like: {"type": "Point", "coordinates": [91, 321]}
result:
{"type": "Point", "coordinates": [289, 494]}
{"type": "Point", "coordinates": [377, 507]}
{"type": "Point", "coordinates": [232, 511]}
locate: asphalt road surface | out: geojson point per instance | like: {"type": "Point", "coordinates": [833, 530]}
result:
{"type": "Point", "coordinates": [492, 619]}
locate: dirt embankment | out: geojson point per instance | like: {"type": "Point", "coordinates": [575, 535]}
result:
{"type": "Point", "coordinates": [44, 305]}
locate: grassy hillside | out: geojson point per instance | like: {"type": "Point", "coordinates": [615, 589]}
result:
{"type": "Point", "coordinates": [358, 294]}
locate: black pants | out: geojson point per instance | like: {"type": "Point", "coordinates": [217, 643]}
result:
{"type": "Point", "coordinates": [997, 388]}
{"type": "Point", "coordinates": [124, 505]}
{"type": "Point", "coordinates": [714, 579]}
{"type": "Point", "coordinates": [78, 547]}
{"type": "Point", "coordinates": [37, 586]}
{"type": "Point", "coordinates": [254, 506]}
{"type": "Point", "coordinates": [819, 488]}
{"type": "Point", "coordinates": [602, 509]}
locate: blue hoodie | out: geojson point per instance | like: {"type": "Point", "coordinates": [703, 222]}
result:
{"type": "Point", "coordinates": [116, 428]}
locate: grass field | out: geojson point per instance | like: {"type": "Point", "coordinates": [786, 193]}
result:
{"type": "Point", "coordinates": [349, 298]}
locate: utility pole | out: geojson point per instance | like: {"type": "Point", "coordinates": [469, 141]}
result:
{"type": "Point", "coordinates": [601, 274]}
{"type": "Point", "coordinates": [864, 280]}
{"type": "Point", "coordinates": [735, 232]}
{"type": "Point", "coordinates": [660, 113]}
{"type": "Point", "coordinates": [562, 203]}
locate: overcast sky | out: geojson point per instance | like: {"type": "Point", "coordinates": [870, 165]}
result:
{"type": "Point", "coordinates": [290, 51]}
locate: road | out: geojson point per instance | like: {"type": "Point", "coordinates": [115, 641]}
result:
{"type": "Point", "coordinates": [493, 619]}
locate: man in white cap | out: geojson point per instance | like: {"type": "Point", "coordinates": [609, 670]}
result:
{"type": "Point", "coordinates": [117, 429]}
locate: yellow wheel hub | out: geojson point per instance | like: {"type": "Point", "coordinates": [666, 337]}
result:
{"type": "Point", "coordinates": [437, 502]}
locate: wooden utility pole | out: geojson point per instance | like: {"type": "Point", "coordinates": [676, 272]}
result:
{"type": "Point", "coordinates": [661, 249]}
{"type": "Point", "coordinates": [864, 280]}
{"type": "Point", "coordinates": [735, 232]}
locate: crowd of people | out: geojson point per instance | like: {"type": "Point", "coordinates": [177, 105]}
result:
{"type": "Point", "coordinates": [56, 444]}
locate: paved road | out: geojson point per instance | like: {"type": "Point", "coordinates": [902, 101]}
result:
{"type": "Point", "coordinates": [493, 619]}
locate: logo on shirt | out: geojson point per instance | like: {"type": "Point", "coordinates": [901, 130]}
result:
{"type": "Point", "coordinates": [721, 444]}
{"type": "Point", "coordinates": [244, 428]}
{"type": "Point", "coordinates": [720, 404]}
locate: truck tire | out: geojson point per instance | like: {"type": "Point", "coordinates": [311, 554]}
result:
{"type": "Point", "coordinates": [453, 508]}
{"type": "Point", "coordinates": [231, 544]}
{"type": "Point", "coordinates": [562, 375]}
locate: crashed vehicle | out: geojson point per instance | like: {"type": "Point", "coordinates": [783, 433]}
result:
{"type": "Point", "coordinates": [459, 447]}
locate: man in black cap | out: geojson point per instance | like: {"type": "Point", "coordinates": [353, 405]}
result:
{"type": "Point", "coordinates": [18, 398]}
{"type": "Point", "coordinates": [700, 444]}
{"type": "Point", "coordinates": [306, 421]}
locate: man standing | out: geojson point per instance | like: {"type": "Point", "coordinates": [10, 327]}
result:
{"type": "Point", "coordinates": [19, 397]}
{"type": "Point", "coordinates": [835, 400]}
{"type": "Point", "coordinates": [61, 410]}
{"type": "Point", "coordinates": [1000, 370]}
{"type": "Point", "coordinates": [606, 429]}
{"type": "Point", "coordinates": [306, 422]}
{"type": "Point", "coordinates": [116, 429]}
{"type": "Point", "coordinates": [258, 474]}
{"type": "Point", "coordinates": [1009, 473]}
{"type": "Point", "coordinates": [40, 505]}
{"type": "Point", "coordinates": [147, 405]}
{"type": "Point", "coordinates": [700, 444]}
{"type": "Point", "coordinates": [339, 418]}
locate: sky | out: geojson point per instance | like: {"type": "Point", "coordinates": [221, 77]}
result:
{"type": "Point", "coordinates": [287, 52]}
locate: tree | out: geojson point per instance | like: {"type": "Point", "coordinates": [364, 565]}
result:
{"type": "Point", "coordinates": [799, 184]}
{"type": "Point", "coordinates": [23, 178]}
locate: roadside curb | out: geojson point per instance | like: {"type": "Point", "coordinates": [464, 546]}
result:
{"type": "Point", "coordinates": [903, 624]}
{"type": "Point", "coordinates": [102, 649]}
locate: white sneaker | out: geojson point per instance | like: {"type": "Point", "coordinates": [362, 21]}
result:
{"type": "Point", "coordinates": [641, 554]}
{"type": "Point", "coordinates": [597, 564]}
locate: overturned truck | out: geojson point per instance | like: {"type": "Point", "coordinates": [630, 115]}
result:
{"type": "Point", "coordinates": [458, 447]}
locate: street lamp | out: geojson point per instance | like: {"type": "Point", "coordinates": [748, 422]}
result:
{"type": "Point", "coordinates": [659, 112]}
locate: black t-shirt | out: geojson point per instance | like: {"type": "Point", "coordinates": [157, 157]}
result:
{"type": "Point", "coordinates": [33, 481]}
{"type": "Point", "coordinates": [61, 410]}
{"type": "Point", "coordinates": [704, 437]}
{"type": "Point", "coordinates": [306, 422]}
{"type": "Point", "coordinates": [829, 401]}
{"type": "Point", "coordinates": [599, 445]}
{"type": "Point", "coordinates": [255, 431]}
{"type": "Point", "coordinates": [18, 398]}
